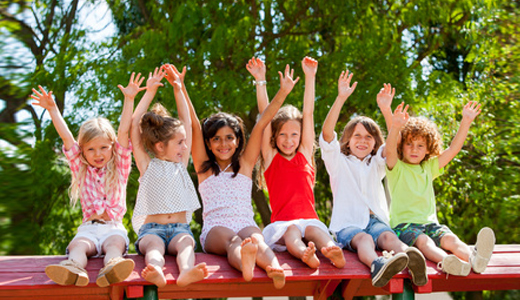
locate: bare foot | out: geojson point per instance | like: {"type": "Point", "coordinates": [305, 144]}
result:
{"type": "Point", "coordinates": [154, 274]}
{"type": "Point", "coordinates": [248, 253]}
{"type": "Point", "coordinates": [197, 273]}
{"type": "Point", "coordinates": [277, 275]}
{"type": "Point", "coordinates": [309, 256]}
{"type": "Point", "coordinates": [335, 254]}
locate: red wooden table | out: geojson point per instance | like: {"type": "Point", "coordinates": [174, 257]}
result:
{"type": "Point", "coordinates": [23, 277]}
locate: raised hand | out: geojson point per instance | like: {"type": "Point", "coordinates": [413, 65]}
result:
{"type": "Point", "coordinates": [385, 96]}
{"type": "Point", "coordinates": [43, 99]}
{"type": "Point", "coordinates": [401, 116]}
{"type": "Point", "coordinates": [133, 86]}
{"type": "Point", "coordinates": [154, 79]}
{"type": "Point", "coordinates": [174, 77]}
{"type": "Point", "coordinates": [344, 88]}
{"type": "Point", "coordinates": [286, 79]}
{"type": "Point", "coordinates": [471, 111]}
{"type": "Point", "coordinates": [256, 67]}
{"type": "Point", "coordinates": [309, 66]}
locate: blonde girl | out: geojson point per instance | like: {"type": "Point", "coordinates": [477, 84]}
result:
{"type": "Point", "coordinates": [287, 153]}
{"type": "Point", "coordinates": [100, 163]}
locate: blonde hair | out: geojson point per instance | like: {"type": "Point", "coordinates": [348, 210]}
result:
{"type": "Point", "coordinates": [372, 128]}
{"type": "Point", "coordinates": [91, 129]}
{"type": "Point", "coordinates": [418, 127]}
{"type": "Point", "coordinates": [158, 125]}
{"type": "Point", "coordinates": [285, 113]}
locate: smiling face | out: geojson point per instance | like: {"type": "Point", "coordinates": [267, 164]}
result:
{"type": "Point", "coordinates": [415, 150]}
{"type": "Point", "coordinates": [97, 151]}
{"type": "Point", "coordinates": [361, 142]}
{"type": "Point", "coordinates": [288, 138]}
{"type": "Point", "coordinates": [223, 144]}
{"type": "Point", "coordinates": [175, 148]}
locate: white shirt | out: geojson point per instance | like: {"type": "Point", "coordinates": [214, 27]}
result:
{"type": "Point", "coordinates": [356, 185]}
{"type": "Point", "coordinates": [165, 188]}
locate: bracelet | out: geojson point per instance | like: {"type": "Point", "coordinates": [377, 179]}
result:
{"type": "Point", "coordinates": [263, 82]}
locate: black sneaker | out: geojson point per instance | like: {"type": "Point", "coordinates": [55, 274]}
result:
{"type": "Point", "coordinates": [385, 267]}
{"type": "Point", "coordinates": [416, 266]}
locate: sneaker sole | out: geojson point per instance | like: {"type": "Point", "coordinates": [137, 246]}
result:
{"type": "Point", "coordinates": [454, 266]}
{"type": "Point", "coordinates": [63, 276]}
{"type": "Point", "coordinates": [484, 246]}
{"type": "Point", "coordinates": [395, 265]}
{"type": "Point", "coordinates": [117, 274]}
{"type": "Point", "coordinates": [417, 267]}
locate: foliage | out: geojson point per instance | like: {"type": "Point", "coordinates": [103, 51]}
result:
{"type": "Point", "coordinates": [438, 55]}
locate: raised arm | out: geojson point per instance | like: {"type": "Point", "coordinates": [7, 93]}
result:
{"type": "Point", "coordinates": [384, 101]}
{"type": "Point", "coordinates": [173, 77]}
{"type": "Point", "coordinates": [344, 91]}
{"type": "Point", "coordinates": [310, 67]}
{"type": "Point", "coordinates": [198, 150]}
{"type": "Point", "coordinates": [141, 157]}
{"type": "Point", "coordinates": [399, 119]}
{"type": "Point", "coordinates": [46, 101]}
{"type": "Point", "coordinates": [469, 113]}
{"type": "Point", "coordinates": [252, 151]}
{"type": "Point", "coordinates": [130, 91]}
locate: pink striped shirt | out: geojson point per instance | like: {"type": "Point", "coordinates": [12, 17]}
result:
{"type": "Point", "coordinates": [95, 199]}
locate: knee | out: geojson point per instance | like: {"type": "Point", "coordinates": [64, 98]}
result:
{"type": "Point", "coordinates": [422, 241]}
{"type": "Point", "coordinates": [185, 241]}
{"type": "Point", "coordinates": [449, 241]}
{"type": "Point", "coordinates": [387, 238]}
{"type": "Point", "coordinates": [114, 242]}
{"type": "Point", "coordinates": [363, 238]}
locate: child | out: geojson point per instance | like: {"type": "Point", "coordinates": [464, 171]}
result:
{"type": "Point", "coordinates": [100, 165]}
{"type": "Point", "coordinates": [356, 166]}
{"type": "Point", "coordinates": [166, 198]}
{"type": "Point", "coordinates": [224, 165]}
{"type": "Point", "coordinates": [287, 158]}
{"type": "Point", "coordinates": [413, 162]}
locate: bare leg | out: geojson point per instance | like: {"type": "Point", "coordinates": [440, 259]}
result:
{"type": "Point", "coordinates": [113, 246]}
{"type": "Point", "coordinates": [364, 245]}
{"type": "Point", "coordinates": [427, 246]}
{"type": "Point", "coordinates": [265, 257]}
{"type": "Point", "coordinates": [80, 250]}
{"type": "Point", "coordinates": [152, 247]}
{"type": "Point", "coordinates": [295, 246]}
{"type": "Point", "coordinates": [453, 244]}
{"type": "Point", "coordinates": [389, 241]}
{"type": "Point", "coordinates": [182, 246]}
{"type": "Point", "coordinates": [326, 245]}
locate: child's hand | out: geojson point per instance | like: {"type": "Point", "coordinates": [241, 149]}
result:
{"type": "Point", "coordinates": [385, 96]}
{"type": "Point", "coordinates": [344, 88]}
{"type": "Point", "coordinates": [400, 116]}
{"type": "Point", "coordinates": [133, 86]}
{"type": "Point", "coordinates": [286, 80]}
{"type": "Point", "coordinates": [154, 80]}
{"type": "Point", "coordinates": [471, 111]}
{"type": "Point", "coordinates": [174, 77]}
{"type": "Point", "coordinates": [44, 99]}
{"type": "Point", "coordinates": [309, 66]}
{"type": "Point", "coordinates": [256, 67]}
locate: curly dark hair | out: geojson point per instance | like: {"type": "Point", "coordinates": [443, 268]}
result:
{"type": "Point", "coordinates": [418, 127]}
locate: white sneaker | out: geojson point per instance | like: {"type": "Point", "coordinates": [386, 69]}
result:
{"type": "Point", "coordinates": [453, 265]}
{"type": "Point", "coordinates": [483, 250]}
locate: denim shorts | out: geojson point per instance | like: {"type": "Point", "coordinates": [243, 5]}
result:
{"type": "Point", "coordinates": [375, 228]}
{"type": "Point", "coordinates": [409, 232]}
{"type": "Point", "coordinates": [165, 231]}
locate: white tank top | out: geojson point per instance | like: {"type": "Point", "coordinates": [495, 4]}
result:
{"type": "Point", "coordinates": [165, 188]}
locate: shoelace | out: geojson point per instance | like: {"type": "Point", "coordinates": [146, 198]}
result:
{"type": "Point", "coordinates": [387, 254]}
{"type": "Point", "coordinates": [439, 266]}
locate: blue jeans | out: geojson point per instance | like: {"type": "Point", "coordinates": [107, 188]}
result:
{"type": "Point", "coordinates": [374, 228]}
{"type": "Point", "coordinates": [165, 231]}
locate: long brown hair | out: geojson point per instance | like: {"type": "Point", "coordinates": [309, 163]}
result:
{"type": "Point", "coordinates": [210, 126]}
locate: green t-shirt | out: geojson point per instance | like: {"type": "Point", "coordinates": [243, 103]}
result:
{"type": "Point", "coordinates": [411, 190]}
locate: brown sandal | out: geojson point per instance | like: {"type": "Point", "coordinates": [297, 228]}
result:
{"type": "Point", "coordinates": [67, 272]}
{"type": "Point", "coordinates": [116, 270]}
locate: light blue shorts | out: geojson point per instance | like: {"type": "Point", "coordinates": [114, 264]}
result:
{"type": "Point", "coordinates": [375, 228]}
{"type": "Point", "coordinates": [165, 231]}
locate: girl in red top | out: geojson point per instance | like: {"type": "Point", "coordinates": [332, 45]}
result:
{"type": "Point", "coordinates": [287, 158]}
